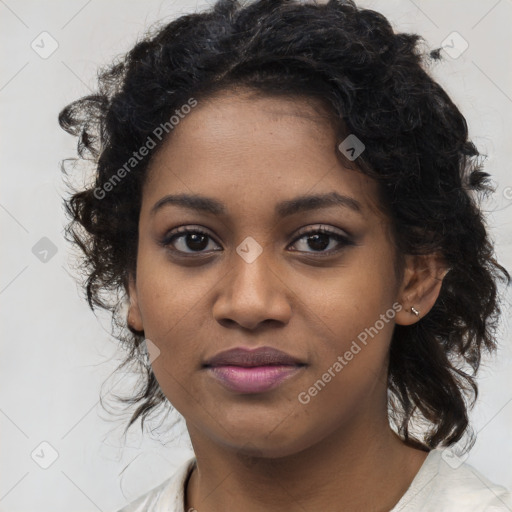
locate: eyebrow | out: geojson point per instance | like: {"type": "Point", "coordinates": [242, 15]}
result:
{"type": "Point", "coordinates": [283, 209]}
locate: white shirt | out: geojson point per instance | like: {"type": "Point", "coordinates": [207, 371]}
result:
{"type": "Point", "coordinates": [437, 487]}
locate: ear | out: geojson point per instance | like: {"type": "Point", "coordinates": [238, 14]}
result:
{"type": "Point", "coordinates": [421, 285]}
{"type": "Point", "coordinates": [134, 317]}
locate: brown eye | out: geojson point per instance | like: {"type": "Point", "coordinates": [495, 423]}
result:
{"type": "Point", "coordinates": [188, 240]}
{"type": "Point", "coordinates": [320, 239]}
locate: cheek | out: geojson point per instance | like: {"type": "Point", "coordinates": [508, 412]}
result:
{"type": "Point", "coordinates": [172, 306]}
{"type": "Point", "coordinates": [354, 317]}
{"type": "Point", "coordinates": [168, 294]}
{"type": "Point", "coordinates": [349, 361]}
{"type": "Point", "coordinates": [353, 296]}
{"type": "Point", "coordinates": [357, 329]}
{"type": "Point", "coordinates": [173, 311]}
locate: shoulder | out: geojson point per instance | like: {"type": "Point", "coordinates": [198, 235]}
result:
{"type": "Point", "coordinates": [167, 496]}
{"type": "Point", "coordinates": [446, 483]}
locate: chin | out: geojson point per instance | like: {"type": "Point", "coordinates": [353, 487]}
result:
{"type": "Point", "coordinates": [265, 449]}
{"type": "Point", "coordinates": [264, 440]}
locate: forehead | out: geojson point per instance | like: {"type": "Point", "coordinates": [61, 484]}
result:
{"type": "Point", "coordinates": [242, 147]}
{"type": "Point", "coordinates": [246, 118]}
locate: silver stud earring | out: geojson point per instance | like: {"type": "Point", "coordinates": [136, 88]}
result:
{"type": "Point", "coordinates": [415, 311]}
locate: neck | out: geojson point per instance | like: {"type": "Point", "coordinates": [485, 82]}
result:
{"type": "Point", "coordinates": [367, 468]}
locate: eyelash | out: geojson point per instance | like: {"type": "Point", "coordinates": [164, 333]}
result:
{"type": "Point", "coordinates": [343, 240]}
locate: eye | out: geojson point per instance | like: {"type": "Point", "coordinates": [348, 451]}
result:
{"type": "Point", "coordinates": [321, 238]}
{"type": "Point", "coordinates": [187, 238]}
{"type": "Point", "coordinates": [194, 240]}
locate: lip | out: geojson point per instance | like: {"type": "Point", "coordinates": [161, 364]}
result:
{"type": "Point", "coordinates": [252, 371]}
{"type": "Point", "coordinates": [261, 356]}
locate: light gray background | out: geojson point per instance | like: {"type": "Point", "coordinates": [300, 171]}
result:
{"type": "Point", "coordinates": [56, 354]}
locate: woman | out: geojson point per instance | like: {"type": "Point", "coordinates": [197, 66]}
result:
{"type": "Point", "coordinates": [285, 202]}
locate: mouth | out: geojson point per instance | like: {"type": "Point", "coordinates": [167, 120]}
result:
{"type": "Point", "coordinates": [253, 371]}
{"type": "Point", "coordinates": [249, 358]}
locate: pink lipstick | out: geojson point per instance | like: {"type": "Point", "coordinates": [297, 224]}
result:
{"type": "Point", "coordinates": [252, 371]}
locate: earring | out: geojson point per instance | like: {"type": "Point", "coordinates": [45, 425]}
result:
{"type": "Point", "coordinates": [415, 311]}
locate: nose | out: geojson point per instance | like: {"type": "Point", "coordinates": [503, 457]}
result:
{"type": "Point", "coordinates": [251, 294]}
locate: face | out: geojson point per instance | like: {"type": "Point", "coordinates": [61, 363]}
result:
{"type": "Point", "coordinates": [255, 271]}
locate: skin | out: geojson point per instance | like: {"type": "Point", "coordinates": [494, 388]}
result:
{"type": "Point", "coordinates": [269, 451]}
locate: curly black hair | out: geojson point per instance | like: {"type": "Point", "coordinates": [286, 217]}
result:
{"type": "Point", "coordinates": [375, 85]}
